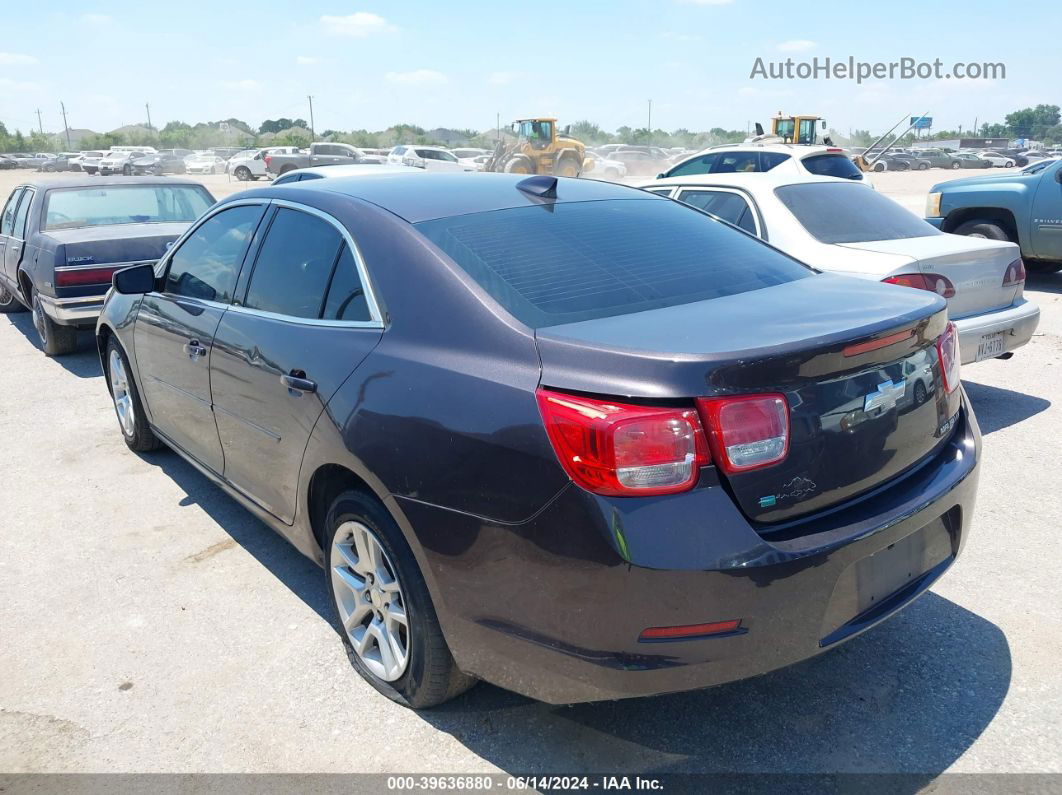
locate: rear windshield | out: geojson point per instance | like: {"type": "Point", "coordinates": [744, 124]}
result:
{"type": "Point", "coordinates": [568, 262]}
{"type": "Point", "coordinates": [835, 212]}
{"type": "Point", "coordinates": [832, 166]}
{"type": "Point", "coordinates": [71, 208]}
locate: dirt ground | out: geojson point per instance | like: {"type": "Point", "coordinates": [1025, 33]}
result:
{"type": "Point", "coordinates": [148, 623]}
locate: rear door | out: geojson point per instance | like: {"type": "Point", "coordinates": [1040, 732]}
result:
{"type": "Point", "coordinates": [729, 205]}
{"type": "Point", "coordinates": [306, 321]}
{"type": "Point", "coordinates": [174, 332]}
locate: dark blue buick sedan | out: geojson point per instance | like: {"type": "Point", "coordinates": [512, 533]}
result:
{"type": "Point", "coordinates": [62, 240]}
{"type": "Point", "coordinates": [565, 436]}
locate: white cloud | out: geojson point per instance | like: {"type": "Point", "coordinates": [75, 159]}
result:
{"type": "Point", "coordinates": [16, 59]}
{"type": "Point", "coordinates": [306, 60]}
{"type": "Point", "coordinates": [418, 77]}
{"type": "Point", "coordinates": [359, 25]}
{"type": "Point", "coordinates": [95, 19]}
{"type": "Point", "coordinates": [797, 45]}
{"type": "Point", "coordinates": [502, 78]}
{"type": "Point", "coordinates": [241, 85]}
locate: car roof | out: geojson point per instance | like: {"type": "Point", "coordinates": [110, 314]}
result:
{"type": "Point", "coordinates": [765, 180]}
{"type": "Point", "coordinates": [351, 169]}
{"type": "Point", "coordinates": [428, 196]}
{"type": "Point", "coordinates": [101, 182]}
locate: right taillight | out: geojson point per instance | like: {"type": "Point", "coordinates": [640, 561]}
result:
{"type": "Point", "coordinates": [949, 357]}
{"type": "Point", "coordinates": [746, 432]}
{"type": "Point", "coordinates": [621, 449]}
{"type": "Point", "coordinates": [1015, 273]}
{"type": "Point", "coordinates": [934, 282]}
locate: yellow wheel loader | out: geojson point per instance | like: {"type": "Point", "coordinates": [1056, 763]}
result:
{"type": "Point", "coordinates": [538, 149]}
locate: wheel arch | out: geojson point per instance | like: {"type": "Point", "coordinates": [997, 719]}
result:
{"type": "Point", "coordinates": [997, 215]}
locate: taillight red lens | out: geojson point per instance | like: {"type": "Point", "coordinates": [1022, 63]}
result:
{"type": "Point", "coordinates": [746, 432]}
{"type": "Point", "coordinates": [949, 357]}
{"type": "Point", "coordinates": [933, 282]}
{"type": "Point", "coordinates": [81, 276]}
{"type": "Point", "coordinates": [1015, 273]}
{"type": "Point", "coordinates": [620, 449]}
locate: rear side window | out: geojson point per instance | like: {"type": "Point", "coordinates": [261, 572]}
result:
{"type": "Point", "coordinates": [568, 262]}
{"type": "Point", "coordinates": [7, 221]}
{"type": "Point", "coordinates": [346, 294]}
{"type": "Point", "coordinates": [731, 207]}
{"type": "Point", "coordinates": [832, 166]}
{"type": "Point", "coordinates": [23, 211]}
{"type": "Point", "coordinates": [207, 263]}
{"type": "Point", "coordinates": [836, 212]}
{"type": "Point", "coordinates": [294, 265]}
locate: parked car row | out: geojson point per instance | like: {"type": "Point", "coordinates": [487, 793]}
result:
{"type": "Point", "coordinates": [465, 396]}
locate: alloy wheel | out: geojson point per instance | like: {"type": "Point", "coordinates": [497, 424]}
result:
{"type": "Point", "coordinates": [39, 320]}
{"type": "Point", "coordinates": [123, 400]}
{"type": "Point", "coordinates": [6, 296]}
{"type": "Point", "coordinates": [370, 601]}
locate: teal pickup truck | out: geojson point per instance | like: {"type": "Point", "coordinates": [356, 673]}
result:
{"type": "Point", "coordinates": [1023, 207]}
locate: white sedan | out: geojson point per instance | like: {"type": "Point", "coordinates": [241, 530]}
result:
{"type": "Point", "coordinates": [247, 165]}
{"type": "Point", "coordinates": [430, 158]}
{"type": "Point", "coordinates": [996, 159]}
{"type": "Point", "coordinates": [352, 170]}
{"type": "Point", "coordinates": [846, 227]}
{"type": "Point", "coordinates": [204, 163]}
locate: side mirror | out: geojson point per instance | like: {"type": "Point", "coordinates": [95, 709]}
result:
{"type": "Point", "coordinates": [824, 124]}
{"type": "Point", "coordinates": [660, 175]}
{"type": "Point", "coordinates": [136, 280]}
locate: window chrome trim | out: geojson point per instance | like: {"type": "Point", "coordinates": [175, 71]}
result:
{"type": "Point", "coordinates": [164, 260]}
{"type": "Point", "coordinates": [761, 231]}
{"type": "Point", "coordinates": [375, 315]}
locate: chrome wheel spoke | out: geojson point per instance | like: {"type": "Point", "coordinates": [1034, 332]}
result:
{"type": "Point", "coordinates": [370, 601]}
{"type": "Point", "coordinates": [123, 399]}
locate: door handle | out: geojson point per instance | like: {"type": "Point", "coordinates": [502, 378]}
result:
{"type": "Point", "coordinates": [297, 382]}
{"type": "Point", "coordinates": [194, 349]}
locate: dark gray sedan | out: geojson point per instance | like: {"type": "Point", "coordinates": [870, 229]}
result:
{"type": "Point", "coordinates": [567, 436]}
{"type": "Point", "coordinates": [61, 240]}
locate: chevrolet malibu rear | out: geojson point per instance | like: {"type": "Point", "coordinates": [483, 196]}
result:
{"type": "Point", "coordinates": [586, 443]}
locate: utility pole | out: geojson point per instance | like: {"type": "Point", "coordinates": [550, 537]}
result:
{"type": "Point", "coordinates": [40, 125]}
{"type": "Point", "coordinates": [147, 107]}
{"type": "Point", "coordinates": [66, 126]}
{"type": "Point", "coordinates": [650, 122]}
{"type": "Point", "coordinates": [313, 135]}
{"type": "Point", "coordinates": [497, 124]}
{"type": "Point", "coordinates": [974, 131]}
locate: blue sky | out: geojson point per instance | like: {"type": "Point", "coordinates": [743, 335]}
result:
{"type": "Point", "coordinates": [457, 63]}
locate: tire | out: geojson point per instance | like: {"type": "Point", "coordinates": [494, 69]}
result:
{"type": "Point", "coordinates": [879, 167]}
{"type": "Point", "coordinates": [213, 171]}
{"type": "Point", "coordinates": [56, 340]}
{"type": "Point", "coordinates": [285, 170]}
{"type": "Point", "coordinates": [242, 173]}
{"type": "Point", "coordinates": [920, 393]}
{"type": "Point", "coordinates": [923, 166]}
{"type": "Point", "coordinates": [1036, 266]}
{"type": "Point", "coordinates": [1009, 164]}
{"type": "Point", "coordinates": [127, 170]}
{"type": "Point", "coordinates": [9, 303]}
{"type": "Point", "coordinates": [567, 167]}
{"type": "Point", "coordinates": [955, 164]}
{"type": "Point", "coordinates": [127, 406]}
{"type": "Point", "coordinates": [985, 229]}
{"type": "Point", "coordinates": [426, 675]}
{"type": "Point", "coordinates": [519, 165]}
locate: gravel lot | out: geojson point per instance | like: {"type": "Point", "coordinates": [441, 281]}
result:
{"type": "Point", "coordinates": [148, 623]}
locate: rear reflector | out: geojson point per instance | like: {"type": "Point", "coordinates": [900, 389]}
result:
{"type": "Point", "coordinates": [80, 276]}
{"type": "Point", "coordinates": [933, 282]}
{"type": "Point", "coordinates": [746, 432]}
{"type": "Point", "coordinates": [1015, 273]}
{"type": "Point", "coordinates": [873, 345]}
{"type": "Point", "coordinates": [949, 358]}
{"type": "Point", "coordinates": [690, 630]}
{"type": "Point", "coordinates": [625, 450]}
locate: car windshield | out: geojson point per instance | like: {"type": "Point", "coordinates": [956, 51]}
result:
{"type": "Point", "coordinates": [836, 212]}
{"type": "Point", "coordinates": [71, 208]}
{"type": "Point", "coordinates": [1037, 167]}
{"type": "Point", "coordinates": [568, 262]}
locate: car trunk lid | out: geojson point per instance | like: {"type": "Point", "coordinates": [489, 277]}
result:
{"type": "Point", "coordinates": [975, 267]}
{"type": "Point", "coordinates": [859, 416]}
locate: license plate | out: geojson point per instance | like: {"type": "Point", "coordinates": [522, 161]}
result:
{"type": "Point", "coordinates": [991, 345]}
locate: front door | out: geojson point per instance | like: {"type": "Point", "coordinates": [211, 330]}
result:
{"type": "Point", "coordinates": [305, 324]}
{"type": "Point", "coordinates": [7, 227]}
{"type": "Point", "coordinates": [174, 333]}
{"type": "Point", "coordinates": [1047, 215]}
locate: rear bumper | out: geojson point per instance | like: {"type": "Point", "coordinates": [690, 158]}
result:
{"type": "Point", "coordinates": [1017, 323]}
{"type": "Point", "coordinates": [553, 607]}
{"type": "Point", "coordinates": [82, 311]}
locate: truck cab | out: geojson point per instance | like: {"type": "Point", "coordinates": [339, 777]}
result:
{"type": "Point", "coordinates": [1024, 208]}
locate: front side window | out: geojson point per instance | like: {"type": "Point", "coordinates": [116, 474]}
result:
{"type": "Point", "coordinates": [569, 262]}
{"type": "Point", "coordinates": [207, 263]}
{"type": "Point", "coordinates": [731, 207]}
{"type": "Point", "coordinates": [71, 208]}
{"type": "Point", "coordinates": [838, 212]}
{"type": "Point", "coordinates": [294, 265]}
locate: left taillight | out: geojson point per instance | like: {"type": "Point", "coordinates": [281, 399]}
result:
{"type": "Point", "coordinates": [949, 357]}
{"type": "Point", "coordinates": [621, 449]}
{"type": "Point", "coordinates": [1015, 273]}
{"type": "Point", "coordinates": [77, 277]}
{"type": "Point", "coordinates": [934, 282]}
{"type": "Point", "coordinates": [746, 432]}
